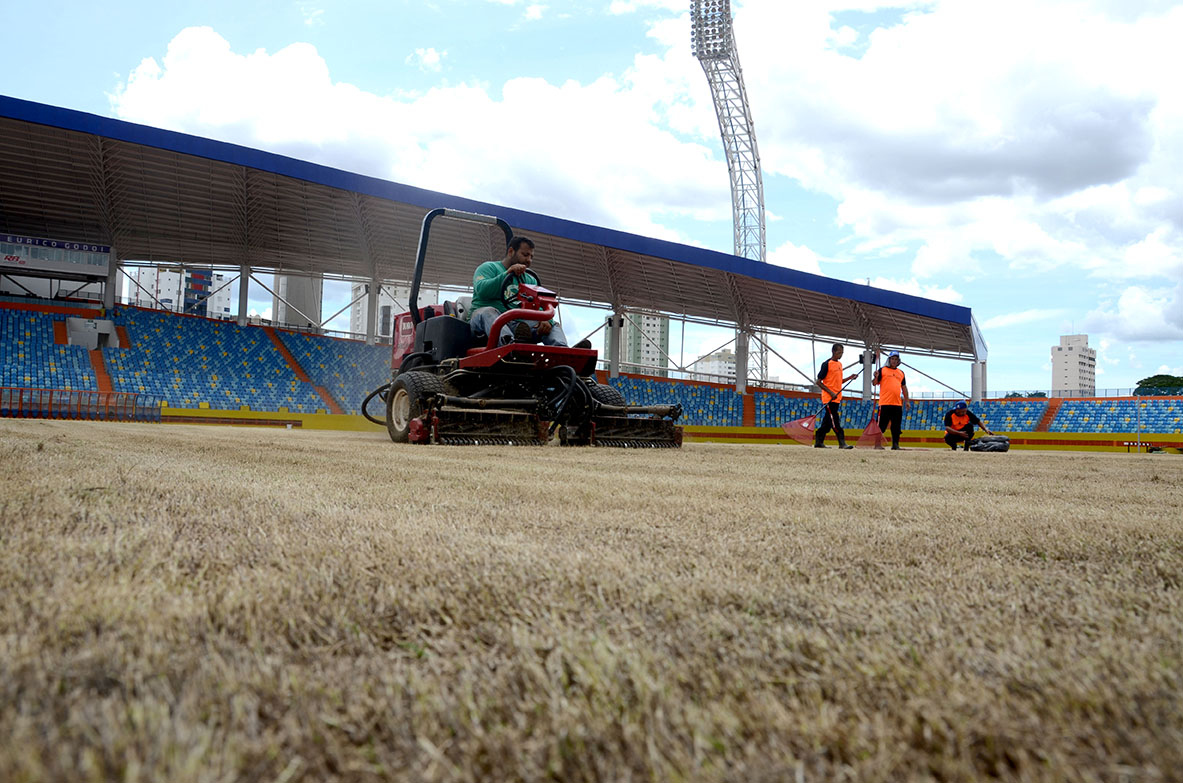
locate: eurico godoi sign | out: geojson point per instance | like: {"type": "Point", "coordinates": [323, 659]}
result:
{"type": "Point", "coordinates": [38, 256]}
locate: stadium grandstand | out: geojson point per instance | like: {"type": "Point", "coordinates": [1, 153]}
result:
{"type": "Point", "coordinates": [81, 196]}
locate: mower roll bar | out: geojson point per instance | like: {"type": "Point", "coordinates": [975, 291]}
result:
{"type": "Point", "coordinates": [458, 214]}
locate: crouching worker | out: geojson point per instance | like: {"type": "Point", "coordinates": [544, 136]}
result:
{"type": "Point", "coordinates": [496, 282]}
{"type": "Point", "coordinates": [959, 426]}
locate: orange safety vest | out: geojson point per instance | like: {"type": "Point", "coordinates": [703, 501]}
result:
{"type": "Point", "coordinates": [832, 383]}
{"type": "Point", "coordinates": [891, 381]}
{"type": "Point", "coordinates": [960, 420]}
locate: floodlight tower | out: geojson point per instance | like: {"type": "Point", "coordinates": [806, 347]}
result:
{"type": "Point", "coordinates": [712, 41]}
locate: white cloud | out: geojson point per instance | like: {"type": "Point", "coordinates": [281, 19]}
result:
{"type": "Point", "coordinates": [916, 288]}
{"type": "Point", "coordinates": [938, 137]}
{"type": "Point", "coordinates": [1018, 319]}
{"type": "Point", "coordinates": [1158, 254]}
{"type": "Point", "coordinates": [427, 59]}
{"type": "Point", "coordinates": [1140, 315]}
{"type": "Point", "coordinates": [597, 156]}
{"type": "Point", "coordinates": [313, 17]}
{"type": "Point", "coordinates": [618, 7]}
{"type": "Point", "coordinates": [796, 257]}
{"type": "Point", "coordinates": [535, 11]}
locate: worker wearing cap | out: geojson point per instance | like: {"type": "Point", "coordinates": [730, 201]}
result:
{"type": "Point", "coordinates": [831, 381]}
{"type": "Point", "coordinates": [959, 426]}
{"type": "Point", "coordinates": [893, 397]}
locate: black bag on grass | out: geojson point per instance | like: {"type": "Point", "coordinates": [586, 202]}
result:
{"type": "Point", "coordinates": [990, 443]}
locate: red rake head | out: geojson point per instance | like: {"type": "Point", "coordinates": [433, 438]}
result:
{"type": "Point", "coordinates": [801, 430]}
{"type": "Point", "coordinates": [872, 437]}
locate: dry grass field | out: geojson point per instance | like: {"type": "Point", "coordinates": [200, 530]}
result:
{"type": "Point", "coordinates": [220, 604]}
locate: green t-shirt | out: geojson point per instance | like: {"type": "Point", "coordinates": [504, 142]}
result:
{"type": "Point", "coordinates": [489, 282]}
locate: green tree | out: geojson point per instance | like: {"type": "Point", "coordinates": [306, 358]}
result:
{"type": "Point", "coordinates": [1160, 384]}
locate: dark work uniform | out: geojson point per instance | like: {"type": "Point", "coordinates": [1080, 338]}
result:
{"type": "Point", "coordinates": [891, 383]}
{"type": "Point", "coordinates": [964, 422]}
{"type": "Point", "coordinates": [829, 377]}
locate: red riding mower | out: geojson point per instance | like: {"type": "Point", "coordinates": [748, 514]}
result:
{"type": "Point", "coordinates": [448, 387]}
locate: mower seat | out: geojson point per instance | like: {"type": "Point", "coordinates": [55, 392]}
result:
{"type": "Point", "coordinates": [443, 336]}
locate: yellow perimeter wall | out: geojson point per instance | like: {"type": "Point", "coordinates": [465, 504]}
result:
{"type": "Point", "coordinates": [282, 418]}
{"type": "Point", "coordinates": [1109, 441]}
{"type": "Point", "coordinates": [1068, 441]}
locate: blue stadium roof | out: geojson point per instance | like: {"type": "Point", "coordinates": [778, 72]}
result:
{"type": "Point", "coordinates": [163, 196]}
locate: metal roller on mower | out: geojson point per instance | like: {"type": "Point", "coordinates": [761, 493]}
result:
{"type": "Point", "coordinates": [447, 390]}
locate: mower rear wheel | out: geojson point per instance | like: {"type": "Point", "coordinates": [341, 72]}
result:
{"type": "Point", "coordinates": [405, 401]}
{"type": "Point", "coordinates": [608, 395]}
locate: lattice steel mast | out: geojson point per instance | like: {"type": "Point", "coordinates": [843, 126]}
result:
{"type": "Point", "coordinates": [712, 41]}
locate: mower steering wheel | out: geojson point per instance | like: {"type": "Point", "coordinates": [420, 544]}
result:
{"type": "Point", "coordinates": [510, 300]}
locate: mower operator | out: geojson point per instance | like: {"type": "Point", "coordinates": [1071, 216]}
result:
{"type": "Point", "coordinates": [959, 426]}
{"type": "Point", "coordinates": [494, 280]}
{"type": "Point", "coordinates": [893, 397]}
{"type": "Point", "coordinates": [830, 381]}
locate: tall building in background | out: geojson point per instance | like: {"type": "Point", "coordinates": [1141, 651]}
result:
{"type": "Point", "coordinates": [391, 302]}
{"type": "Point", "coordinates": [191, 291]}
{"type": "Point", "coordinates": [303, 295]}
{"type": "Point", "coordinates": [1074, 367]}
{"type": "Point", "coordinates": [646, 341]}
{"type": "Point", "coordinates": [719, 363]}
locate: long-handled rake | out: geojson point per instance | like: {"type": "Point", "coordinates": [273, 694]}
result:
{"type": "Point", "coordinates": [802, 430]}
{"type": "Point", "coordinates": [872, 437]}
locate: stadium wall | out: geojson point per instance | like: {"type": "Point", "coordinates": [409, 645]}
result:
{"type": "Point", "coordinates": [280, 418]}
{"type": "Point", "coordinates": [1044, 441]}
{"type": "Point", "coordinates": [1114, 442]}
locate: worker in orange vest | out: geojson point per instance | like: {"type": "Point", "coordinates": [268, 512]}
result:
{"type": "Point", "coordinates": [830, 380]}
{"type": "Point", "coordinates": [893, 397]}
{"type": "Point", "coordinates": [959, 426]}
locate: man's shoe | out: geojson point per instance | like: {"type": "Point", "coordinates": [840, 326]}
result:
{"type": "Point", "coordinates": [896, 448]}
{"type": "Point", "coordinates": [585, 343]}
{"type": "Point", "coordinates": [522, 333]}
{"type": "Point", "coordinates": [844, 446]}
{"type": "Point", "coordinates": [820, 446]}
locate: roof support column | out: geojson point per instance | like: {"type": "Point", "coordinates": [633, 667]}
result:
{"type": "Point", "coordinates": [868, 369]}
{"type": "Point", "coordinates": [244, 281]}
{"type": "Point", "coordinates": [372, 292]}
{"type": "Point", "coordinates": [977, 381]}
{"type": "Point", "coordinates": [742, 338]}
{"type": "Point", "coordinates": [110, 290]}
{"type": "Point", "coordinates": [612, 344]}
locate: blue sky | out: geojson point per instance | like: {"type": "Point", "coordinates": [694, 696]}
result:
{"type": "Point", "coordinates": [1024, 159]}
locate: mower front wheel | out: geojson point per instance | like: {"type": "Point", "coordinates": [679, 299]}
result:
{"type": "Point", "coordinates": [405, 402]}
